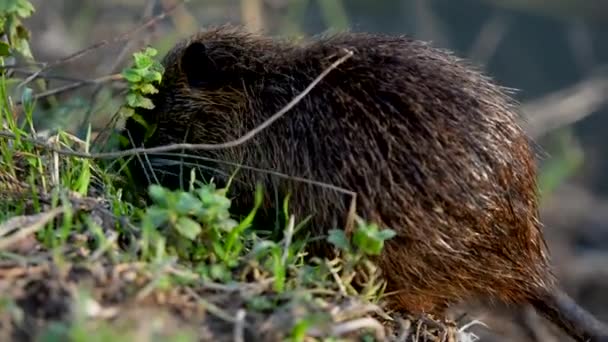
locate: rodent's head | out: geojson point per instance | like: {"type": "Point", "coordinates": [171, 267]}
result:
{"type": "Point", "coordinates": [202, 98]}
{"type": "Point", "coordinates": [204, 87]}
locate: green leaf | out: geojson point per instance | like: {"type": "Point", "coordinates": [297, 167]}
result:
{"type": "Point", "coordinates": [299, 330]}
{"type": "Point", "coordinates": [369, 239]}
{"type": "Point", "coordinates": [158, 70]}
{"type": "Point", "coordinates": [8, 6]}
{"type": "Point", "coordinates": [279, 271]}
{"type": "Point", "coordinates": [24, 8]}
{"type": "Point", "coordinates": [145, 103]}
{"type": "Point", "coordinates": [386, 234]}
{"type": "Point", "coordinates": [338, 238]}
{"type": "Point", "coordinates": [158, 216]}
{"type": "Point", "coordinates": [158, 194]}
{"type": "Point", "coordinates": [188, 227]}
{"type": "Point", "coordinates": [148, 89]}
{"type": "Point", "coordinates": [131, 75]}
{"type": "Point", "coordinates": [27, 98]}
{"type": "Point", "coordinates": [367, 244]}
{"type": "Point", "coordinates": [188, 204]}
{"type": "Point", "coordinates": [219, 272]}
{"type": "Point", "coordinates": [5, 49]}
{"type": "Point", "coordinates": [261, 248]}
{"type": "Point", "coordinates": [260, 303]}
{"type": "Point", "coordinates": [150, 51]}
{"type": "Point", "coordinates": [139, 119]}
{"type": "Point", "coordinates": [150, 131]}
{"type": "Point", "coordinates": [238, 230]}
{"type": "Point", "coordinates": [132, 99]}
{"type": "Point", "coordinates": [142, 61]}
{"type": "Point", "coordinates": [218, 249]}
{"type": "Point", "coordinates": [127, 112]}
{"type": "Point", "coordinates": [137, 100]}
{"type": "Point", "coordinates": [152, 76]}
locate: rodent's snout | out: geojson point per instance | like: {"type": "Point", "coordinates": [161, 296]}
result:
{"type": "Point", "coordinates": [138, 128]}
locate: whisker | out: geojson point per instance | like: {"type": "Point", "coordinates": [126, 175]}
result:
{"type": "Point", "coordinates": [158, 163]}
{"type": "Point", "coordinates": [144, 166]}
{"type": "Point", "coordinates": [270, 172]}
{"type": "Point", "coordinates": [351, 212]}
{"type": "Point", "coordinates": [181, 165]}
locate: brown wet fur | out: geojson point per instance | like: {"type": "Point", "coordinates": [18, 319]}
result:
{"type": "Point", "coordinates": [431, 146]}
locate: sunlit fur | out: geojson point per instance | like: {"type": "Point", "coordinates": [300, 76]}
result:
{"type": "Point", "coordinates": [432, 148]}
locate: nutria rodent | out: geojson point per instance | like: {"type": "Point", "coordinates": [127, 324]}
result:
{"type": "Point", "coordinates": [432, 148]}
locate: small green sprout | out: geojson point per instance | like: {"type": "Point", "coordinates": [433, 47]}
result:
{"type": "Point", "coordinates": [142, 77]}
{"type": "Point", "coordinates": [368, 239]}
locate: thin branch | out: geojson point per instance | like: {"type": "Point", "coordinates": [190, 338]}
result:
{"type": "Point", "coordinates": [352, 326]}
{"type": "Point", "coordinates": [252, 15]}
{"type": "Point", "coordinates": [566, 106]}
{"type": "Point", "coordinates": [75, 85]}
{"type": "Point", "coordinates": [212, 308]}
{"type": "Point", "coordinates": [581, 44]}
{"type": "Point", "coordinates": [44, 75]}
{"type": "Point", "coordinates": [488, 39]}
{"type": "Point", "coordinates": [30, 225]}
{"type": "Point", "coordinates": [260, 170]}
{"type": "Point", "coordinates": [123, 37]}
{"type": "Point", "coordinates": [239, 326]}
{"type": "Point", "coordinates": [147, 12]}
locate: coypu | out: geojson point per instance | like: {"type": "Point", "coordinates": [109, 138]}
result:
{"type": "Point", "coordinates": [430, 145]}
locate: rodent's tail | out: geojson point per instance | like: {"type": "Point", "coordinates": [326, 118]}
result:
{"type": "Point", "coordinates": [563, 311]}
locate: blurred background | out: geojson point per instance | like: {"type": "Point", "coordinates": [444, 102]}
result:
{"type": "Point", "coordinates": [552, 52]}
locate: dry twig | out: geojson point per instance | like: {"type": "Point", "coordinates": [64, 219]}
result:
{"type": "Point", "coordinates": [29, 225]}
{"type": "Point", "coordinates": [123, 37]}
{"type": "Point", "coordinates": [566, 106]}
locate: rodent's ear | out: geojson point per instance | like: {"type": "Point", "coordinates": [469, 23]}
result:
{"type": "Point", "coordinates": [196, 64]}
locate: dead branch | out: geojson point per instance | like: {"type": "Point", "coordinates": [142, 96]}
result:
{"type": "Point", "coordinates": [566, 106]}
{"type": "Point", "coordinates": [123, 37]}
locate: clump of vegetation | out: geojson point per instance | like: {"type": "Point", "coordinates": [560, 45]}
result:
{"type": "Point", "coordinates": [15, 37]}
{"type": "Point", "coordinates": [142, 77]}
{"type": "Point", "coordinates": [79, 263]}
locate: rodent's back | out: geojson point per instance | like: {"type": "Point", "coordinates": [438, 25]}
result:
{"type": "Point", "coordinates": [432, 148]}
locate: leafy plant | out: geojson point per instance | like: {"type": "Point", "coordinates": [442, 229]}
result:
{"type": "Point", "coordinates": [142, 77]}
{"type": "Point", "coordinates": [368, 239]}
{"type": "Point", "coordinates": [14, 35]}
{"type": "Point", "coordinates": [198, 227]}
